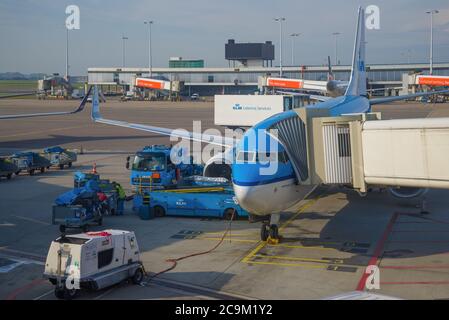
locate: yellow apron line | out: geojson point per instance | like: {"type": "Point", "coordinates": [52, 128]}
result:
{"type": "Point", "coordinates": [252, 253]}
{"type": "Point", "coordinates": [288, 264]}
{"type": "Point", "coordinates": [303, 247]}
{"type": "Point", "coordinates": [337, 261]}
{"type": "Point", "coordinates": [301, 210]}
{"type": "Point", "coordinates": [262, 244]}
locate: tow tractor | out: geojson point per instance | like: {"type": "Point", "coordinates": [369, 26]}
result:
{"type": "Point", "coordinates": [92, 261]}
{"type": "Point", "coordinates": [81, 206]}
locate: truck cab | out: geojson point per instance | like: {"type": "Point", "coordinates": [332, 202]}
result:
{"type": "Point", "coordinates": [152, 167]}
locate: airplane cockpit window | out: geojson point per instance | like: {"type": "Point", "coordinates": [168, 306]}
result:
{"type": "Point", "coordinates": [272, 157]}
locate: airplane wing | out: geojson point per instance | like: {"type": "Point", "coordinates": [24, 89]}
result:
{"type": "Point", "coordinates": [405, 97]}
{"type": "Point", "coordinates": [178, 133]}
{"type": "Point", "coordinates": [310, 96]}
{"type": "Point", "coordinates": [44, 114]}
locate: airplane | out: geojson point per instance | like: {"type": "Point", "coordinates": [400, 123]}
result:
{"type": "Point", "coordinates": [267, 196]}
{"type": "Point", "coordinates": [330, 88]}
{"type": "Point", "coordinates": [45, 114]}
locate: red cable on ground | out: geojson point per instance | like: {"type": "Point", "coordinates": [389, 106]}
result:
{"type": "Point", "coordinates": [176, 260]}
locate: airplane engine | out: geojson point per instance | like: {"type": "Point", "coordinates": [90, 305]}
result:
{"type": "Point", "coordinates": [335, 88]}
{"type": "Point", "coordinates": [219, 166]}
{"type": "Point", "coordinates": [407, 192]}
{"type": "Point", "coordinates": [331, 86]}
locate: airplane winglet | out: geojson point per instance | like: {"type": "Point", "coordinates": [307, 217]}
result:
{"type": "Point", "coordinates": [83, 102]}
{"type": "Point", "coordinates": [95, 114]}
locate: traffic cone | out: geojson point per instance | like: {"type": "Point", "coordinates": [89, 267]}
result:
{"type": "Point", "coordinates": [94, 168]}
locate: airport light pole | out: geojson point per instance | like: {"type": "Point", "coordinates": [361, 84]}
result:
{"type": "Point", "coordinates": [280, 19]}
{"type": "Point", "coordinates": [67, 54]}
{"type": "Point", "coordinates": [293, 35]}
{"type": "Point", "coordinates": [123, 47]}
{"type": "Point", "coordinates": [431, 12]}
{"type": "Point", "coordinates": [150, 62]}
{"type": "Point", "coordinates": [336, 34]}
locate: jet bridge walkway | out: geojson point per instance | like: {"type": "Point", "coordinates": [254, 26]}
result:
{"type": "Point", "coordinates": [361, 150]}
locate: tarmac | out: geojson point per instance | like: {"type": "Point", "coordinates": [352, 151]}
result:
{"type": "Point", "coordinates": [328, 239]}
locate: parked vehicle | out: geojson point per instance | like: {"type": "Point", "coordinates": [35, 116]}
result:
{"type": "Point", "coordinates": [92, 261]}
{"type": "Point", "coordinates": [77, 209]}
{"type": "Point", "coordinates": [7, 168]}
{"type": "Point", "coordinates": [60, 157]}
{"type": "Point", "coordinates": [30, 162]}
{"type": "Point", "coordinates": [219, 202]}
{"type": "Point", "coordinates": [152, 167]}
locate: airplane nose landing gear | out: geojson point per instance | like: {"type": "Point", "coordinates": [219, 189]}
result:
{"type": "Point", "coordinates": [269, 231]}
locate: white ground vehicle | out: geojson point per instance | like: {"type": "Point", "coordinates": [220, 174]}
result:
{"type": "Point", "coordinates": [92, 261]}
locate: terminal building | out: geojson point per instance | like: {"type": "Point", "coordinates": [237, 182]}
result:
{"type": "Point", "coordinates": [247, 62]}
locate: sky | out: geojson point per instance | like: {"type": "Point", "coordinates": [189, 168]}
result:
{"type": "Point", "coordinates": [33, 34]}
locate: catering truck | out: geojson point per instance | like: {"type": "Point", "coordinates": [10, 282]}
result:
{"type": "Point", "coordinates": [240, 111]}
{"type": "Point", "coordinates": [152, 167]}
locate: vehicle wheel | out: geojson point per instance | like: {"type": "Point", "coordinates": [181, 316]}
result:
{"type": "Point", "coordinates": [159, 211]}
{"type": "Point", "coordinates": [62, 228]}
{"type": "Point", "coordinates": [85, 228]}
{"type": "Point", "coordinates": [274, 232]}
{"type": "Point", "coordinates": [9, 176]}
{"type": "Point", "coordinates": [70, 294]}
{"type": "Point", "coordinates": [31, 172]}
{"type": "Point", "coordinates": [42, 169]}
{"type": "Point", "coordinates": [264, 233]}
{"type": "Point", "coordinates": [229, 213]}
{"type": "Point", "coordinates": [61, 166]}
{"type": "Point", "coordinates": [59, 293]}
{"type": "Point", "coordinates": [17, 173]}
{"type": "Point", "coordinates": [138, 276]}
{"type": "Point", "coordinates": [70, 164]}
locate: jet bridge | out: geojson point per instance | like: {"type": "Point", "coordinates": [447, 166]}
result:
{"type": "Point", "coordinates": [360, 150]}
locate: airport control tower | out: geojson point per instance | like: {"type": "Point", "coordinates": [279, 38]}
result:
{"type": "Point", "coordinates": [249, 54]}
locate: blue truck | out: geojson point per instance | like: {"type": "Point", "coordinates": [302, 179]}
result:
{"type": "Point", "coordinates": [217, 202]}
{"type": "Point", "coordinates": [152, 167]}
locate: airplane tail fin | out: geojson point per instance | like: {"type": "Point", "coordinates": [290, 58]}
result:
{"type": "Point", "coordinates": [357, 83]}
{"type": "Point", "coordinates": [330, 74]}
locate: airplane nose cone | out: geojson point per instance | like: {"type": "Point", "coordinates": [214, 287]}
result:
{"type": "Point", "coordinates": [250, 200]}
